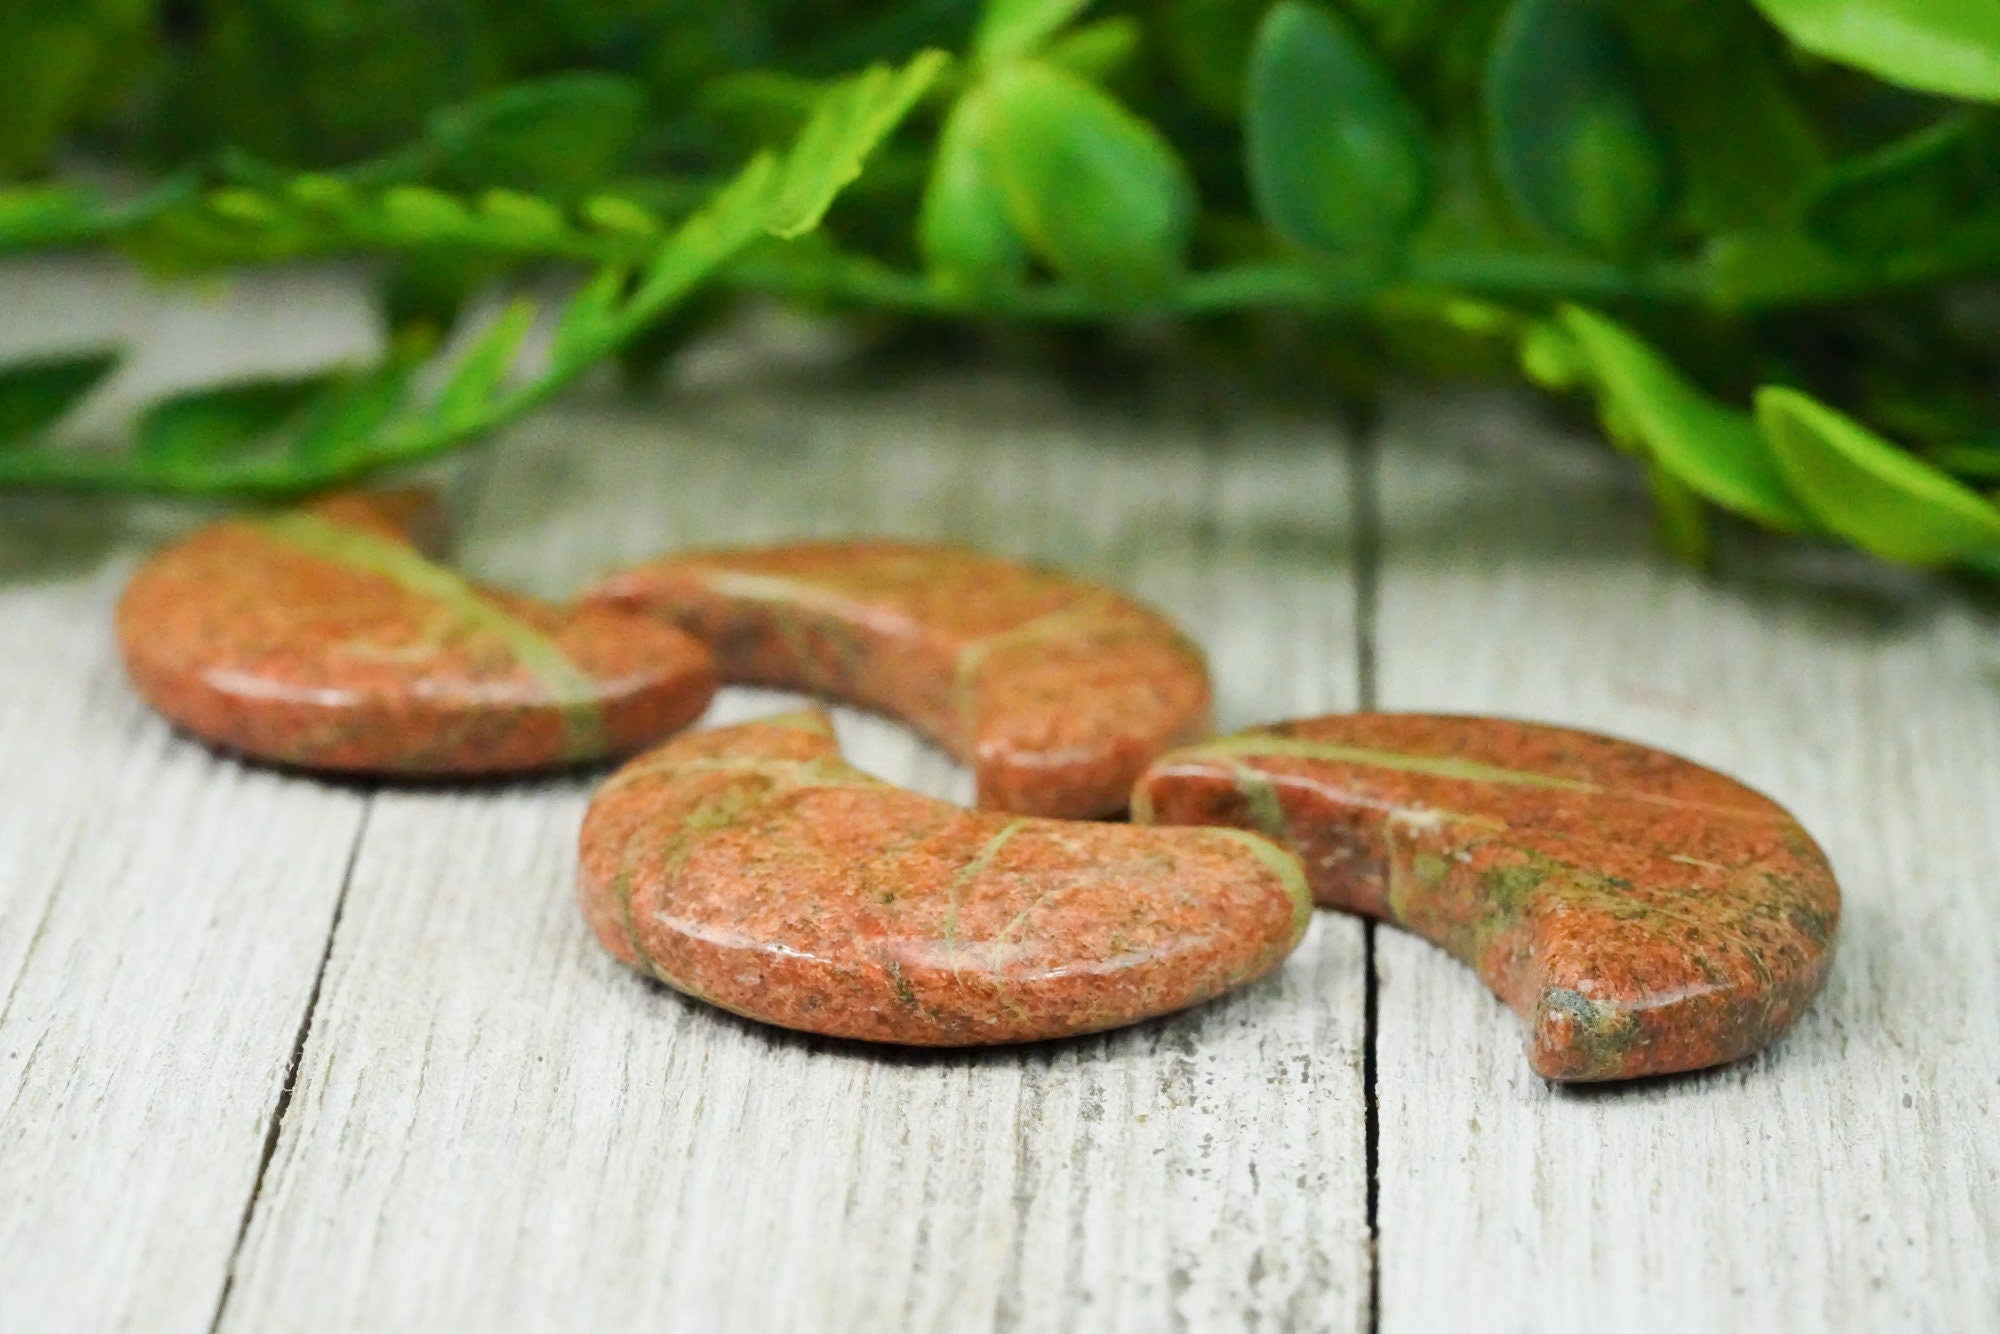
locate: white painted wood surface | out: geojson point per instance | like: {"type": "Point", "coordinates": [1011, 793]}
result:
{"type": "Point", "coordinates": [495, 1127]}
{"type": "Point", "coordinates": [1847, 1178]}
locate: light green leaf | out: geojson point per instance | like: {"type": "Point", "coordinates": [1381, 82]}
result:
{"type": "Point", "coordinates": [963, 228]}
{"type": "Point", "coordinates": [225, 419]}
{"type": "Point", "coordinates": [1867, 490]}
{"type": "Point", "coordinates": [1950, 47]}
{"type": "Point", "coordinates": [34, 394]}
{"type": "Point", "coordinates": [1573, 143]}
{"type": "Point", "coordinates": [1013, 28]}
{"type": "Point", "coordinates": [1338, 158]}
{"type": "Point", "coordinates": [558, 136]}
{"type": "Point", "coordinates": [482, 369]}
{"type": "Point", "coordinates": [850, 120]}
{"type": "Point", "coordinates": [1683, 523]}
{"type": "Point", "coordinates": [1098, 50]}
{"type": "Point", "coordinates": [1099, 195]}
{"type": "Point", "coordinates": [588, 323]}
{"type": "Point", "coordinates": [1714, 449]}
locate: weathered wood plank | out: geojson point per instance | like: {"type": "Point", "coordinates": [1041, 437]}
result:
{"type": "Point", "coordinates": [162, 911]}
{"type": "Point", "coordinates": [1849, 1177]}
{"type": "Point", "coordinates": [496, 1127]}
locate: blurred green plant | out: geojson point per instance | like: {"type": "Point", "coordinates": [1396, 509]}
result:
{"type": "Point", "coordinates": [1758, 236]}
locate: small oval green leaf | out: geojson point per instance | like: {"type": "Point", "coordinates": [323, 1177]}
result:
{"type": "Point", "coordinates": [1338, 159]}
{"type": "Point", "coordinates": [1714, 449]}
{"type": "Point", "coordinates": [1099, 195]}
{"type": "Point", "coordinates": [1573, 143]}
{"type": "Point", "coordinates": [1937, 46]}
{"type": "Point", "coordinates": [963, 228]}
{"type": "Point", "coordinates": [1867, 490]}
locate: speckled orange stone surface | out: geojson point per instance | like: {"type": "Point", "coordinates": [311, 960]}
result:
{"type": "Point", "coordinates": [1642, 913]}
{"type": "Point", "coordinates": [1056, 692]}
{"type": "Point", "coordinates": [755, 869]}
{"type": "Point", "coordinates": [323, 638]}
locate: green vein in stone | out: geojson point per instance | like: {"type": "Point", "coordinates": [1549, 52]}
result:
{"type": "Point", "coordinates": [1254, 745]}
{"type": "Point", "coordinates": [1050, 624]}
{"type": "Point", "coordinates": [966, 875]}
{"type": "Point", "coordinates": [1262, 801]}
{"type": "Point", "coordinates": [1291, 872]}
{"type": "Point", "coordinates": [572, 688]}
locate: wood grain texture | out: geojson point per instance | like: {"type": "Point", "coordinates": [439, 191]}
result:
{"type": "Point", "coordinates": [1849, 1177]}
{"type": "Point", "coordinates": [162, 911]}
{"type": "Point", "coordinates": [497, 1127]}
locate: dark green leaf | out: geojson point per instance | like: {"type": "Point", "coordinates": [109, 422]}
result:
{"type": "Point", "coordinates": [964, 230]}
{"type": "Point", "coordinates": [1099, 195]}
{"type": "Point", "coordinates": [560, 135]}
{"type": "Point", "coordinates": [1713, 449]}
{"type": "Point", "coordinates": [350, 417]}
{"type": "Point", "coordinates": [1013, 28]}
{"type": "Point", "coordinates": [225, 420]}
{"type": "Point", "coordinates": [33, 394]}
{"type": "Point", "coordinates": [1208, 42]}
{"type": "Point", "coordinates": [1337, 157]}
{"type": "Point", "coordinates": [1911, 192]}
{"type": "Point", "coordinates": [1573, 143]}
{"type": "Point", "coordinates": [1938, 46]}
{"type": "Point", "coordinates": [1867, 490]}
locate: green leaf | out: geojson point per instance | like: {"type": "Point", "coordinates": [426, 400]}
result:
{"type": "Point", "coordinates": [589, 323]}
{"type": "Point", "coordinates": [560, 135]}
{"type": "Point", "coordinates": [1574, 145]}
{"type": "Point", "coordinates": [850, 120]}
{"type": "Point", "coordinates": [1010, 29]}
{"type": "Point", "coordinates": [352, 414]}
{"type": "Point", "coordinates": [481, 371]}
{"type": "Point", "coordinates": [1099, 195]}
{"type": "Point", "coordinates": [1683, 524]}
{"type": "Point", "coordinates": [1338, 159]}
{"type": "Point", "coordinates": [34, 394]}
{"type": "Point", "coordinates": [1096, 51]}
{"type": "Point", "coordinates": [963, 228]}
{"type": "Point", "coordinates": [1867, 490]}
{"type": "Point", "coordinates": [1208, 43]}
{"type": "Point", "coordinates": [1909, 193]}
{"type": "Point", "coordinates": [224, 420]}
{"type": "Point", "coordinates": [1715, 450]}
{"type": "Point", "coordinates": [1950, 47]}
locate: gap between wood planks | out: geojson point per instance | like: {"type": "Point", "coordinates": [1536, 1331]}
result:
{"type": "Point", "coordinates": [283, 1102]}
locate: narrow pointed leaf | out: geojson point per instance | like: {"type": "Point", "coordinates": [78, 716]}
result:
{"type": "Point", "coordinates": [1869, 491]}
{"type": "Point", "coordinates": [34, 394]}
{"type": "Point", "coordinates": [224, 420]}
{"type": "Point", "coordinates": [851, 119]}
{"type": "Point", "coordinates": [1338, 158]}
{"type": "Point", "coordinates": [1714, 449]}
{"type": "Point", "coordinates": [1909, 193]}
{"type": "Point", "coordinates": [481, 371]}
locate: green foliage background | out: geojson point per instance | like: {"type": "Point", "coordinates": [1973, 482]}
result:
{"type": "Point", "coordinates": [1758, 236]}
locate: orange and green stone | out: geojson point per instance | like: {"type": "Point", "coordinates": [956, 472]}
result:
{"type": "Point", "coordinates": [1642, 913]}
{"type": "Point", "coordinates": [752, 867]}
{"type": "Point", "coordinates": [325, 638]}
{"type": "Point", "coordinates": [1056, 692]}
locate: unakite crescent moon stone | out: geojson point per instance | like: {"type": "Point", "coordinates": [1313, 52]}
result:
{"type": "Point", "coordinates": [753, 868]}
{"type": "Point", "coordinates": [1056, 692]}
{"type": "Point", "coordinates": [324, 638]}
{"type": "Point", "coordinates": [1643, 914]}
